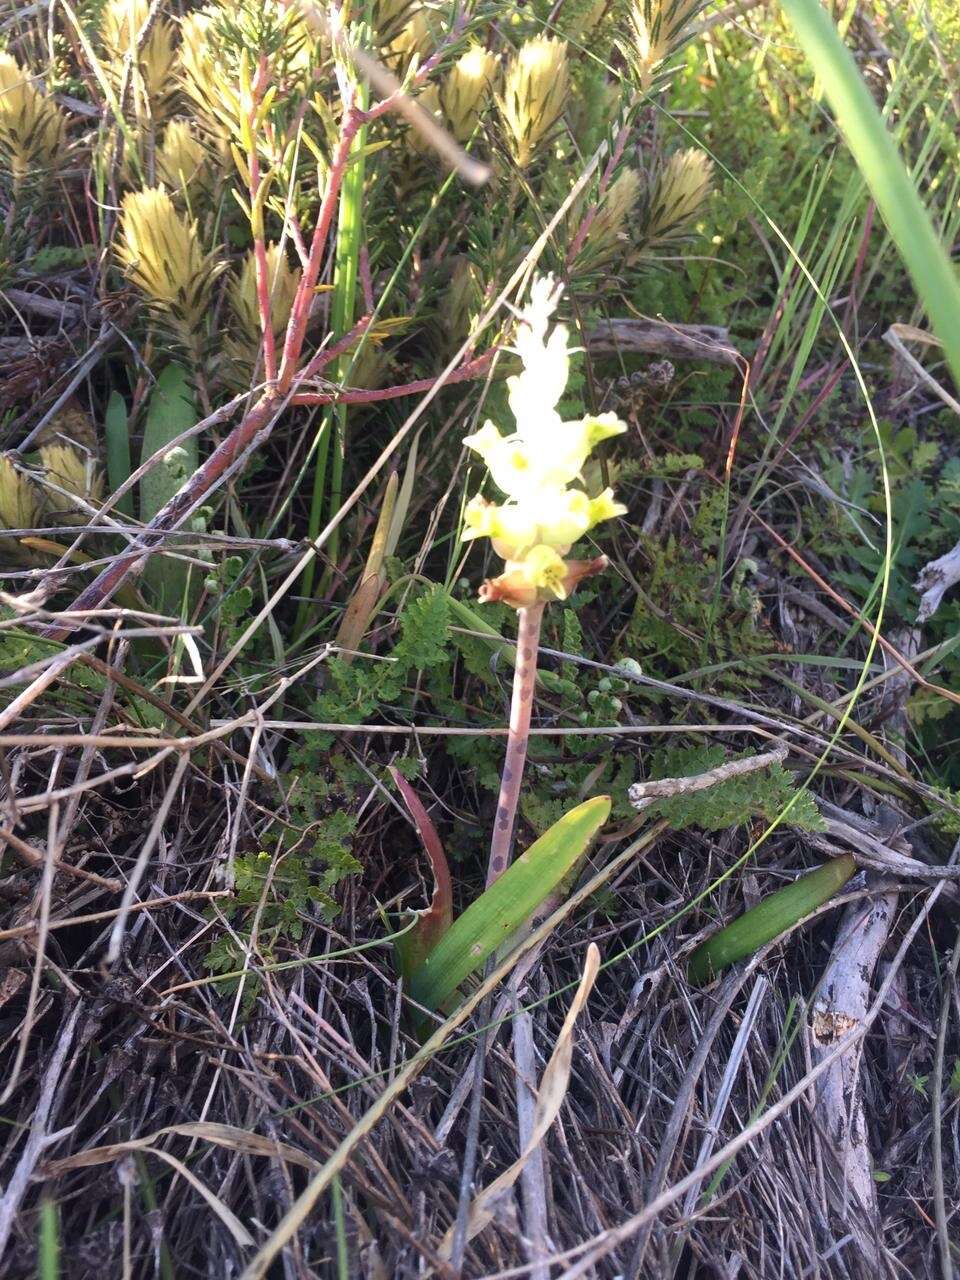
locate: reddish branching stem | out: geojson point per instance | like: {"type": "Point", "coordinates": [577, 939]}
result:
{"type": "Point", "coordinates": [282, 384]}
{"type": "Point", "coordinates": [473, 369]}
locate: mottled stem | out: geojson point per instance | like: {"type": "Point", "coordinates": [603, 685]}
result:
{"type": "Point", "coordinates": [521, 705]}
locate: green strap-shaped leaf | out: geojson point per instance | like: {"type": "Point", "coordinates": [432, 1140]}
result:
{"type": "Point", "coordinates": [502, 909]}
{"type": "Point", "coordinates": [171, 411]}
{"type": "Point", "coordinates": [117, 431]}
{"type": "Point", "coordinates": [769, 918]}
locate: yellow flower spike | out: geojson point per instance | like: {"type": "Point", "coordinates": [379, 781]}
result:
{"type": "Point", "coordinates": [545, 514]}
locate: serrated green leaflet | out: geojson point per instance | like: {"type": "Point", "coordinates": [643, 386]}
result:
{"type": "Point", "coordinates": [511, 900]}
{"type": "Point", "coordinates": [768, 919]}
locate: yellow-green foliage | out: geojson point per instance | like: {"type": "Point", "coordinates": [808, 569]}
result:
{"type": "Point", "coordinates": [534, 94]}
{"type": "Point", "coordinates": [466, 89]}
{"type": "Point", "coordinates": [32, 126]}
{"type": "Point", "coordinates": [152, 57]}
{"type": "Point", "coordinates": [160, 251]}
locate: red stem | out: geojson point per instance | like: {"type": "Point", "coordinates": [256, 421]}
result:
{"type": "Point", "coordinates": [300, 312]}
{"type": "Point", "coordinates": [474, 369]}
{"type": "Point", "coordinates": [521, 706]}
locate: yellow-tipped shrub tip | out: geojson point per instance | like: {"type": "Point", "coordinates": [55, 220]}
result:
{"type": "Point", "coordinates": [679, 191]}
{"type": "Point", "coordinates": [657, 28]}
{"type": "Point", "coordinates": [609, 232]}
{"type": "Point", "coordinates": [536, 87]}
{"type": "Point", "coordinates": [160, 251]}
{"type": "Point", "coordinates": [120, 31]}
{"type": "Point", "coordinates": [19, 498]}
{"type": "Point", "coordinates": [69, 471]}
{"type": "Point", "coordinates": [466, 89]}
{"type": "Point", "coordinates": [181, 157]}
{"type": "Point", "coordinates": [283, 282]}
{"type": "Point", "coordinates": [32, 126]}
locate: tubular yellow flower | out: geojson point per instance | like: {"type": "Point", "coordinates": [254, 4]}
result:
{"type": "Point", "coordinates": [120, 27]}
{"type": "Point", "coordinates": [535, 94]}
{"type": "Point", "coordinates": [467, 88]}
{"type": "Point", "coordinates": [545, 514]}
{"type": "Point", "coordinates": [32, 127]}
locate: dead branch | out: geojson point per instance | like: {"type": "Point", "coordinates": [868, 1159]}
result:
{"type": "Point", "coordinates": [659, 338]}
{"type": "Point", "coordinates": [643, 794]}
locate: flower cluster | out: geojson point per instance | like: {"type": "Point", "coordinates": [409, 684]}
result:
{"type": "Point", "coordinates": [545, 512]}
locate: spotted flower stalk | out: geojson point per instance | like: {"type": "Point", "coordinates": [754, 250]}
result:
{"type": "Point", "coordinates": [545, 511]}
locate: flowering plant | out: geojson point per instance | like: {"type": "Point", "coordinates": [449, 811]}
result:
{"type": "Point", "coordinates": [536, 467]}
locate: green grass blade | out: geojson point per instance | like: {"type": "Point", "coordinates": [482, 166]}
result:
{"type": "Point", "coordinates": [117, 433]}
{"type": "Point", "coordinates": [342, 316]}
{"type": "Point", "coordinates": [48, 1252]}
{"type": "Point", "coordinates": [766, 921]}
{"type": "Point", "coordinates": [500, 911]}
{"type": "Point", "coordinates": [907, 220]}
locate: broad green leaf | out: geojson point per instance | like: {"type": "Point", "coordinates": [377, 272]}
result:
{"type": "Point", "coordinates": [117, 431]}
{"type": "Point", "coordinates": [768, 919]}
{"type": "Point", "coordinates": [500, 911]}
{"type": "Point", "coordinates": [171, 411]}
